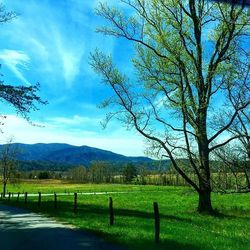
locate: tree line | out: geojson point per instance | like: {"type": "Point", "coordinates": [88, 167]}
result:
{"type": "Point", "coordinates": [229, 172]}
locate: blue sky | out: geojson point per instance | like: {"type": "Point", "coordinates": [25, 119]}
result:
{"type": "Point", "coordinates": [50, 43]}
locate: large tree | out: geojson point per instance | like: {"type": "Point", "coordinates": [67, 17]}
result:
{"type": "Point", "coordinates": [190, 59]}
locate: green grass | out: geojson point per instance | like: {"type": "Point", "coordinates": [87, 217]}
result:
{"type": "Point", "coordinates": [59, 186]}
{"type": "Point", "coordinates": [181, 226]}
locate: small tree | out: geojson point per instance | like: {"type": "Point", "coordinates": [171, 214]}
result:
{"type": "Point", "coordinates": [129, 172]}
{"type": "Point", "coordinates": [43, 175]}
{"type": "Point", "coordinates": [143, 172]}
{"type": "Point", "coordinates": [240, 129]}
{"type": "Point", "coordinates": [101, 171]}
{"type": "Point", "coordinates": [8, 164]}
{"type": "Point", "coordinates": [78, 174]}
{"type": "Point", "coordinates": [233, 160]}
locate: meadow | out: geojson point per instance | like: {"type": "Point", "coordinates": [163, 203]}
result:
{"type": "Point", "coordinates": [181, 226]}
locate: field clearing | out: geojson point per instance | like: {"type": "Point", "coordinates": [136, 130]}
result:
{"type": "Point", "coordinates": [181, 226]}
{"type": "Point", "coordinates": [60, 186]}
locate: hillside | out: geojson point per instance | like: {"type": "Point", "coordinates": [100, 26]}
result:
{"type": "Point", "coordinates": [43, 156]}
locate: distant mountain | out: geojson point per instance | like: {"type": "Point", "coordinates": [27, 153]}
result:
{"type": "Point", "coordinates": [43, 155]}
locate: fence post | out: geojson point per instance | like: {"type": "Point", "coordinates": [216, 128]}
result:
{"type": "Point", "coordinates": [25, 197]}
{"type": "Point", "coordinates": [177, 179]}
{"type": "Point", "coordinates": [111, 212]}
{"type": "Point", "coordinates": [55, 199]}
{"type": "Point", "coordinates": [39, 199]}
{"type": "Point", "coordinates": [75, 202]}
{"type": "Point", "coordinates": [18, 194]}
{"type": "Point", "coordinates": [157, 222]}
{"type": "Point", "coordinates": [9, 195]}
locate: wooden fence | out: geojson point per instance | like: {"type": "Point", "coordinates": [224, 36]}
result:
{"type": "Point", "coordinates": [156, 214]}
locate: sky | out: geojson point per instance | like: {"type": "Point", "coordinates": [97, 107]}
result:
{"type": "Point", "coordinates": [50, 42]}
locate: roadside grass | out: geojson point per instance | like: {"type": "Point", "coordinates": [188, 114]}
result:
{"type": "Point", "coordinates": [181, 226]}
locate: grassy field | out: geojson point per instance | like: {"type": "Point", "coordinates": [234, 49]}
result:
{"type": "Point", "coordinates": [59, 186]}
{"type": "Point", "coordinates": [181, 226]}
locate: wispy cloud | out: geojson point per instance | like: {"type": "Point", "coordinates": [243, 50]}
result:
{"type": "Point", "coordinates": [58, 45]}
{"type": "Point", "coordinates": [16, 61]}
{"type": "Point", "coordinates": [55, 44]}
{"type": "Point", "coordinates": [70, 56]}
{"type": "Point", "coordinates": [75, 120]}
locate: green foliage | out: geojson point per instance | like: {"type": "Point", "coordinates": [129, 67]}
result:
{"type": "Point", "coordinates": [22, 98]}
{"type": "Point", "coordinates": [43, 165]}
{"type": "Point", "coordinates": [6, 16]}
{"type": "Point", "coordinates": [43, 175]}
{"type": "Point", "coordinates": [129, 173]}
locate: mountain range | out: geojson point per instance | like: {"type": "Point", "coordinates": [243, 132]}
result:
{"type": "Point", "coordinates": [41, 155]}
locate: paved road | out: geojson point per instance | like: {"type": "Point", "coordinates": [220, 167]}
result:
{"type": "Point", "coordinates": [23, 230]}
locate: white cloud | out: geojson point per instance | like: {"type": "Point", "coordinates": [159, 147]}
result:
{"type": "Point", "coordinates": [15, 60]}
{"type": "Point", "coordinates": [70, 59]}
{"type": "Point", "coordinates": [119, 141]}
{"type": "Point", "coordinates": [75, 120]}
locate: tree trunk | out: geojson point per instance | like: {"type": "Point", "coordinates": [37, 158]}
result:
{"type": "Point", "coordinates": [205, 205]}
{"type": "Point", "coordinates": [4, 188]}
{"type": "Point", "coordinates": [236, 183]}
{"type": "Point", "coordinates": [247, 180]}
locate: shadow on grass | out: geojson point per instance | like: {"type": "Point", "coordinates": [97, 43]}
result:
{"type": "Point", "coordinates": [48, 206]}
{"type": "Point", "coordinates": [81, 240]}
{"type": "Point", "coordinates": [94, 214]}
{"type": "Point", "coordinates": [163, 245]}
{"type": "Point", "coordinates": [98, 210]}
{"type": "Point", "coordinates": [231, 213]}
